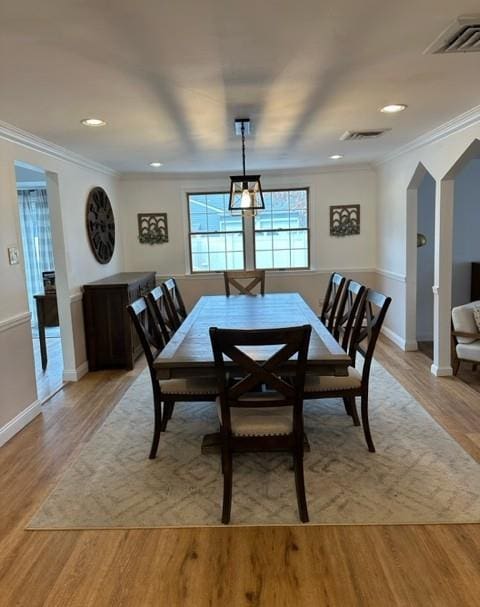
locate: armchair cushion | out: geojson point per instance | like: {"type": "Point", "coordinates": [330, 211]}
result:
{"type": "Point", "coordinates": [326, 383]}
{"type": "Point", "coordinates": [259, 421]}
{"type": "Point", "coordinates": [469, 351]}
{"type": "Point", "coordinates": [464, 321]}
{"type": "Point", "coordinates": [476, 315]}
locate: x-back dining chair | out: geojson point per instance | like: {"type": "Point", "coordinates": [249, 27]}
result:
{"type": "Point", "coordinates": [271, 420]}
{"type": "Point", "coordinates": [176, 310]}
{"type": "Point", "coordinates": [157, 303]}
{"type": "Point", "coordinates": [346, 314]}
{"type": "Point", "coordinates": [364, 335]}
{"type": "Point", "coordinates": [255, 277]}
{"type": "Point", "coordinates": [332, 299]}
{"type": "Point", "coordinates": [167, 391]}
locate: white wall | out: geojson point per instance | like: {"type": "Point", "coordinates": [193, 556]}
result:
{"type": "Point", "coordinates": [466, 230]}
{"type": "Point", "coordinates": [72, 184]}
{"type": "Point", "coordinates": [168, 194]}
{"type": "Point", "coordinates": [425, 258]}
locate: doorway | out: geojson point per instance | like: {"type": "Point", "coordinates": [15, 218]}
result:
{"type": "Point", "coordinates": [39, 264]}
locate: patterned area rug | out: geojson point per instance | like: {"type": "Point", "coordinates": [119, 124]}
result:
{"type": "Point", "coordinates": [418, 475]}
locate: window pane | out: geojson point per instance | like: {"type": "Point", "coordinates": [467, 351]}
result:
{"type": "Point", "coordinates": [215, 202]}
{"type": "Point", "coordinates": [263, 220]}
{"type": "Point", "coordinates": [299, 240]}
{"type": "Point", "coordinates": [281, 259]}
{"type": "Point", "coordinates": [198, 223]}
{"type": "Point", "coordinates": [234, 241]}
{"type": "Point", "coordinates": [263, 241]}
{"type": "Point", "coordinates": [281, 240]}
{"type": "Point", "coordinates": [280, 201]}
{"type": "Point", "coordinates": [233, 223]}
{"type": "Point", "coordinates": [199, 244]}
{"type": "Point", "coordinates": [264, 259]}
{"type": "Point", "coordinates": [235, 260]}
{"type": "Point", "coordinates": [197, 203]}
{"type": "Point", "coordinates": [298, 199]}
{"type": "Point", "coordinates": [267, 199]}
{"type": "Point", "coordinates": [299, 258]}
{"type": "Point", "coordinates": [216, 243]}
{"type": "Point", "coordinates": [200, 262]}
{"type": "Point", "coordinates": [217, 261]}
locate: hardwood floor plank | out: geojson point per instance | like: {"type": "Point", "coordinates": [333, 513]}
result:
{"type": "Point", "coordinates": [377, 566]}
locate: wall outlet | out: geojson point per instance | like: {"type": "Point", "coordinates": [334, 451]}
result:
{"type": "Point", "coordinates": [12, 255]}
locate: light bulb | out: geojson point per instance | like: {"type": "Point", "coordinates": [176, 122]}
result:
{"type": "Point", "coordinates": [246, 201]}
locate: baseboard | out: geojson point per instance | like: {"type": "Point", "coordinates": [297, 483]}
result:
{"type": "Point", "coordinates": [20, 421]}
{"type": "Point", "coordinates": [399, 341]}
{"type": "Point", "coordinates": [411, 346]}
{"type": "Point", "coordinates": [441, 371]}
{"type": "Point", "coordinates": [75, 374]}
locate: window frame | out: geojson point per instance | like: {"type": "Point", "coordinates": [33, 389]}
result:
{"type": "Point", "coordinates": [190, 233]}
{"type": "Point", "coordinates": [249, 225]}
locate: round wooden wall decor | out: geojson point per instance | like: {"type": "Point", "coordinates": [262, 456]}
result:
{"type": "Point", "coordinates": [100, 225]}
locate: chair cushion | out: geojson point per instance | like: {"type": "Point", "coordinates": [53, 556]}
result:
{"type": "Point", "coordinates": [476, 314]}
{"type": "Point", "coordinates": [463, 320]}
{"type": "Point", "coordinates": [469, 351]}
{"type": "Point", "coordinates": [194, 385]}
{"type": "Point", "coordinates": [259, 421]}
{"type": "Point", "coordinates": [326, 383]}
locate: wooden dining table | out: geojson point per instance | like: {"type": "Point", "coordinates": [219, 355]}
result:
{"type": "Point", "coordinates": [189, 352]}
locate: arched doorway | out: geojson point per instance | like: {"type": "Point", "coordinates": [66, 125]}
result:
{"type": "Point", "coordinates": [449, 250]}
{"type": "Point", "coordinates": [419, 320]}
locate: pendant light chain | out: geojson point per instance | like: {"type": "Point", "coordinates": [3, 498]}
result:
{"type": "Point", "coordinates": [243, 147]}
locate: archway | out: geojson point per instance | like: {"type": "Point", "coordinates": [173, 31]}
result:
{"type": "Point", "coordinates": [445, 257]}
{"type": "Point", "coordinates": [419, 319]}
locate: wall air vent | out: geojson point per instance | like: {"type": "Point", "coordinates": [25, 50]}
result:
{"type": "Point", "coordinates": [362, 135]}
{"type": "Point", "coordinates": [462, 36]}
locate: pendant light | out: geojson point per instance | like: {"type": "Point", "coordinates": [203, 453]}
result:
{"type": "Point", "coordinates": [246, 195]}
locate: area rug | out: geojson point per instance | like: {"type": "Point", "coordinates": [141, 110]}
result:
{"type": "Point", "coordinates": [418, 475]}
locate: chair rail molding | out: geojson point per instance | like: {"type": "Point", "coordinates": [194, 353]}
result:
{"type": "Point", "coordinates": [15, 321]}
{"type": "Point", "coordinates": [392, 275]}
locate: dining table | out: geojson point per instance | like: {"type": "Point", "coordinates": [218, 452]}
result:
{"type": "Point", "coordinates": [189, 352]}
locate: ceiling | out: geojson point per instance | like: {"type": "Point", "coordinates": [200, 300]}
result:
{"type": "Point", "coordinates": [169, 77]}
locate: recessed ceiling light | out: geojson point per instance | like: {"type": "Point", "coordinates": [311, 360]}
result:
{"type": "Point", "coordinates": [93, 122]}
{"type": "Point", "coordinates": [156, 164]}
{"type": "Point", "coordinates": [393, 108]}
{"type": "Point", "coordinates": [336, 156]}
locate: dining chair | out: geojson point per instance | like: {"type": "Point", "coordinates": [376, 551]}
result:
{"type": "Point", "coordinates": [364, 336]}
{"type": "Point", "coordinates": [255, 277]}
{"type": "Point", "coordinates": [168, 391]}
{"type": "Point", "coordinates": [157, 303]}
{"type": "Point", "coordinates": [348, 306]}
{"type": "Point", "coordinates": [175, 307]}
{"type": "Point", "coordinates": [332, 299]}
{"type": "Point", "coordinates": [271, 420]}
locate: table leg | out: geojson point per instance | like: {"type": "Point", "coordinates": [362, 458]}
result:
{"type": "Point", "coordinates": [41, 335]}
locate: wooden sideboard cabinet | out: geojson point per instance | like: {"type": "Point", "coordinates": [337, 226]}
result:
{"type": "Point", "coordinates": [111, 338]}
{"type": "Point", "coordinates": [475, 286]}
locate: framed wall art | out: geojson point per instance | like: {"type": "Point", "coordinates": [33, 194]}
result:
{"type": "Point", "coordinates": [152, 228]}
{"type": "Point", "coordinates": [344, 220]}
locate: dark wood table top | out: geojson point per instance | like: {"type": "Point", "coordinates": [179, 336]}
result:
{"type": "Point", "coordinates": [189, 352]}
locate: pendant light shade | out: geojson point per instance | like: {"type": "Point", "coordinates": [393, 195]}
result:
{"type": "Point", "coordinates": [246, 194]}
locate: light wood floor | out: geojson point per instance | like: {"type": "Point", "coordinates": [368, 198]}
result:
{"type": "Point", "coordinates": [52, 378]}
{"type": "Point", "coordinates": [377, 566]}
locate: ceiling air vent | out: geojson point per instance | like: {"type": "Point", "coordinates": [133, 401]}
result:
{"type": "Point", "coordinates": [462, 36]}
{"type": "Point", "coordinates": [362, 135]}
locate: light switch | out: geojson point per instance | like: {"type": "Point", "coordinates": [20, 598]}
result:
{"type": "Point", "coordinates": [12, 255]}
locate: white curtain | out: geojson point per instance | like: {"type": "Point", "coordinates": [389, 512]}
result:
{"type": "Point", "coordinates": [37, 241]}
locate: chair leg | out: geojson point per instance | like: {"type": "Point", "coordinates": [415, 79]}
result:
{"type": "Point", "coordinates": [167, 413]}
{"type": "Point", "coordinates": [300, 487]}
{"type": "Point", "coordinates": [227, 485]}
{"type": "Point", "coordinates": [157, 409]}
{"type": "Point", "coordinates": [353, 410]}
{"type": "Point", "coordinates": [365, 423]}
{"type": "Point", "coordinates": [347, 405]}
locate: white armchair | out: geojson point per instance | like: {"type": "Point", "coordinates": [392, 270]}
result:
{"type": "Point", "coordinates": [465, 336]}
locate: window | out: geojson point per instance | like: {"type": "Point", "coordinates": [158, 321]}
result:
{"type": "Point", "coordinates": [277, 237]}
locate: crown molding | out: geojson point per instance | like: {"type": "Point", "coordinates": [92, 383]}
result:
{"type": "Point", "coordinates": [455, 125]}
{"type": "Point", "coordinates": [211, 175]}
{"type": "Point", "coordinates": [13, 134]}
